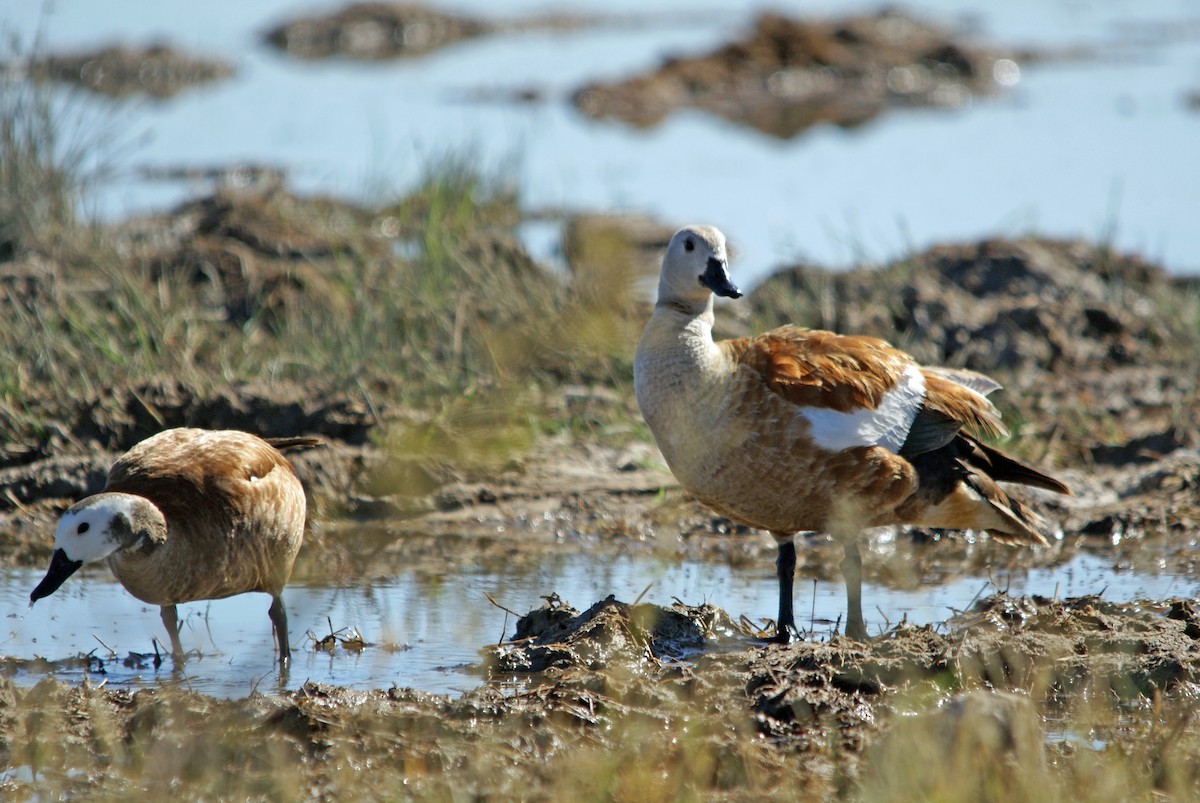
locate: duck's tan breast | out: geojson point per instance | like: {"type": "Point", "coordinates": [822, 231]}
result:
{"type": "Point", "coordinates": [745, 451]}
{"type": "Point", "coordinates": [681, 389]}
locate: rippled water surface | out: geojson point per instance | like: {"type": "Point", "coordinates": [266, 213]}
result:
{"type": "Point", "coordinates": [1103, 148]}
{"type": "Point", "coordinates": [424, 631]}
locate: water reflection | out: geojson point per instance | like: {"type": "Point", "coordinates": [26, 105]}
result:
{"type": "Point", "coordinates": [423, 629]}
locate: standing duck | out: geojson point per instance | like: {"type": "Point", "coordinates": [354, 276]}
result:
{"type": "Point", "coordinates": [805, 430]}
{"type": "Point", "coordinates": [191, 514]}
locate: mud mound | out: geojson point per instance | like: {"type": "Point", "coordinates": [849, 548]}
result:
{"type": "Point", "coordinates": [1080, 644]}
{"type": "Point", "coordinates": [260, 216]}
{"type": "Point", "coordinates": [789, 75]}
{"type": "Point", "coordinates": [373, 31]}
{"type": "Point", "coordinates": [125, 416]}
{"type": "Point", "coordinates": [251, 253]}
{"type": "Point", "coordinates": [265, 255]}
{"type": "Point", "coordinates": [805, 694]}
{"type": "Point", "coordinates": [378, 31]}
{"type": "Point", "coordinates": [1139, 495]}
{"type": "Point", "coordinates": [80, 442]}
{"type": "Point", "coordinates": [1004, 642]}
{"type": "Point", "coordinates": [608, 633]}
{"type": "Point", "coordinates": [995, 306]}
{"type": "Point", "coordinates": [117, 71]}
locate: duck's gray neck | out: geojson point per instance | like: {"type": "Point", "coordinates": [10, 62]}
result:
{"type": "Point", "coordinates": [694, 317]}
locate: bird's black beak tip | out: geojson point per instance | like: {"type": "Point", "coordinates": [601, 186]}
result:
{"type": "Point", "coordinates": [61, 567]}
{"type": "Point", "coordinates": [716, 278]}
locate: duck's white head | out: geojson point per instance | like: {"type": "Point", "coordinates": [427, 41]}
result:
{"type": "Point", "coordinates": [91, 530]}
{"type": "Point", "coordinates": [694, 267]}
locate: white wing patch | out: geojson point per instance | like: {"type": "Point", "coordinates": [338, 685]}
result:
{"type": "Point", "coordinates": [887, 425]}
{"type": "Point", "coordinates": [971, 380]}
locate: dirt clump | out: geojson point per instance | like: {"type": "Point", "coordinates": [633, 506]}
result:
{"type": "Point", "coordinates": [608, 633]}
{"type": "Point", "coordinates": [1129, 651]}
{"type": "Point", "coordinates": [1012, 306]}
{"type": "Point", "coordinates": [117, 71]}
{"type": "Point", "coordinates": [248, 253]}
{"type": "Point", "coordinates": [789, 75]}
{"type": "Point", "coordinates": [1063, 647]}
{"type": "Point", "coordinates": [373, 31]}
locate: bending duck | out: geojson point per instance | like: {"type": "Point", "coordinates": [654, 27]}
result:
{"type": "Point", "coordinates": [191, 514]}
{"type": "Point", "coordinates": [804, 430]}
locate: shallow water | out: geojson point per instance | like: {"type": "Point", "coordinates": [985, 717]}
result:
{"type": "Point", "coordinates": [1101, 149]}
{"type": "Point", "coordinates": [425, 630]}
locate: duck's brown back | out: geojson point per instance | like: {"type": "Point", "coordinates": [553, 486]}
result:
{"type": "Point", "coordinates": [235, 513]}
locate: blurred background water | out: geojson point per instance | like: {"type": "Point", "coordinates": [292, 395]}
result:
{"type": "Point", "coordinates": [1101, 148]}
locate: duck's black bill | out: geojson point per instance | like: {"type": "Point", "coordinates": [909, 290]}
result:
{"type": "Point", "coordinates": [716, 278]}
{"type": "Point", "coordinates": [61, 567]}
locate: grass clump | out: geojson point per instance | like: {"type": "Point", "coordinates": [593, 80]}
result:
{"type": "Point", "coordinates": [53, 152]}
{"type": "Point", "coordinates": [39, 187]}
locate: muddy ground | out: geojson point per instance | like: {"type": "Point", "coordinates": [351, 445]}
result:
{"type": "Point", "coordinates": [1095, 349]}
{"type": "Point", "coordinates": [639, 702]}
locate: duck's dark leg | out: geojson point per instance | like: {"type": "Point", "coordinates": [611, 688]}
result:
{"type": "Point", "coordinates": [852, 573]}
{"type": "Point", "coordinates": [785, 570]}
{"type": "Point", "coordinates": [279, 621]}
{"type": "Point", "coordinates": [170, 619]}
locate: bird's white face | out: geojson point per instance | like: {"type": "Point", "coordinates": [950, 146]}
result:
{"type": "Point", "coordinates": [91, 530]}
{"type": "Point", "coordinates": [87, 532]}
{"type": "Point", "coordinates": [695, 266]}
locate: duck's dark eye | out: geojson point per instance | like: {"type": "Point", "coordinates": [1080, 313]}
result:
{"type": "Point", "coordinates": [83, 528]}
{"type": "Point", "coordinates": [689, 245]}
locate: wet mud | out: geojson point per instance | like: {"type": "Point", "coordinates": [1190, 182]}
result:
{"type": "Point", "coordinates": [788, 75]}
{"type": "Point", "coordinates": [1095, 348]}
{"type": "Point", "coordinates": [384, 31]}
{"type": "Point", "coordinates": [372, 31]}
{"type": "Point", "coordinates": [661, 687]}
{"type": "Point", "coordinates": [120, 71]}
